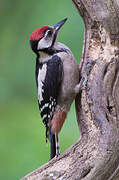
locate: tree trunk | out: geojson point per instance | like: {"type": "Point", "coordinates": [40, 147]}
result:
{"type": "Point", "coordinates": [95, 156]}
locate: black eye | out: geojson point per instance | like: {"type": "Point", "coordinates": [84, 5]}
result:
{"type": "Point", "coordinates": [48, 33]}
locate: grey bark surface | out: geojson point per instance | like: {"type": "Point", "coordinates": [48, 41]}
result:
{"type": "Point", "coordinates": [95, 156]}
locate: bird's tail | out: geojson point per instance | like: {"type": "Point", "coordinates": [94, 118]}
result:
{"type": "Point", "coordinates": [54, 145]}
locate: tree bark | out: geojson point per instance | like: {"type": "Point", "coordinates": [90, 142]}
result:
{"type": "Point", "coordinates": [95, 156]}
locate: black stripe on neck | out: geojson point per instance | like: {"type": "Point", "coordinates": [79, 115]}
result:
{"type": "Point", "coordinates": [49, 51]}
{"type": "Point", "coordinates": [52, 51]}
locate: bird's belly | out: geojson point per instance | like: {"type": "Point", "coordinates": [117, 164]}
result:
{"type": "Point", "coordinates": [70, 80]}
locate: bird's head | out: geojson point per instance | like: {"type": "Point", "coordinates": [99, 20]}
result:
{"type": "Point", "coordinates": [45, 37]}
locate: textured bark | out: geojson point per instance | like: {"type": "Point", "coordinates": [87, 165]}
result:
{"type": "Point", "coordinates": [95, 156]}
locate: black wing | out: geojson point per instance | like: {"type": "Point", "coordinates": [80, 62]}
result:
{"type": "Point", "coordinates": [50, 89]}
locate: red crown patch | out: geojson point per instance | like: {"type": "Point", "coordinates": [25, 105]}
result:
{"type": "Point", "coordinates": [38, 33]}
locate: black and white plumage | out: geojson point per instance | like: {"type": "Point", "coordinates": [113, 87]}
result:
{"type": "Point", "coordinates": [57, 79]}
{"type": "Point", "coordinates": [48, 79]}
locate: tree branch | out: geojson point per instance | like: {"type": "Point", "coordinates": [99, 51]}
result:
{"type": "Point", "coordinates": [96, 155]}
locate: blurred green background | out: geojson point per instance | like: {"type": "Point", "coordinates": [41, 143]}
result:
{"type": "Point", "coordinates": [22, 134]}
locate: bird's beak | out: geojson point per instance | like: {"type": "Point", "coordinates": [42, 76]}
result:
{"type": "Point", "coordinates": [59, 24]}
{"type": "Point", "coordinates": [56, 29]}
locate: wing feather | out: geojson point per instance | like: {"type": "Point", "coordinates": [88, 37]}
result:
{"type": "Point", "coordinates": [50, 88]}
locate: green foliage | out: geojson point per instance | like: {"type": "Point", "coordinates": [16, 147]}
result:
{"type": "Point", "coordinates": [22, 134]}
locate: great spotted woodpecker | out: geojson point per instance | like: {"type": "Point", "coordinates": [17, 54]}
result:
{"type": "Point", "coordinates": [57, 79]}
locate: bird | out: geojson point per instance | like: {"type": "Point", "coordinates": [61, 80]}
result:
{"type": "Point", "coordinates": [57, 80]}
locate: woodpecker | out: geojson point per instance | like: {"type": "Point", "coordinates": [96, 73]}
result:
{"type": "Point", "coordinates": [57, 79]}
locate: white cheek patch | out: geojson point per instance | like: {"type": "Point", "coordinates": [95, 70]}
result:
{"type": "Point", "coordinates": [43, 43]}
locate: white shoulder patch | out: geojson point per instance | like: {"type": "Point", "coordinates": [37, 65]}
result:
{"type": "Point", "coordinates": [41, 78]}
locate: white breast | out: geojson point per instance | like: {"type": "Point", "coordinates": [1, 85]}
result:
{"type": "Point", "coordinates": [41, 78]}
{"type": "Point", "coordinates": [44, 57]}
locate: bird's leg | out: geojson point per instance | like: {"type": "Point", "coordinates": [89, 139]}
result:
{"type": "Point", "coordinates": [57, 145]}
{"type": "Point", "coordinates": [83, 82]}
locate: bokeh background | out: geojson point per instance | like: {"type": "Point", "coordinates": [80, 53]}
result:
{"type": "Point", "coordinates": [22, 134]}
